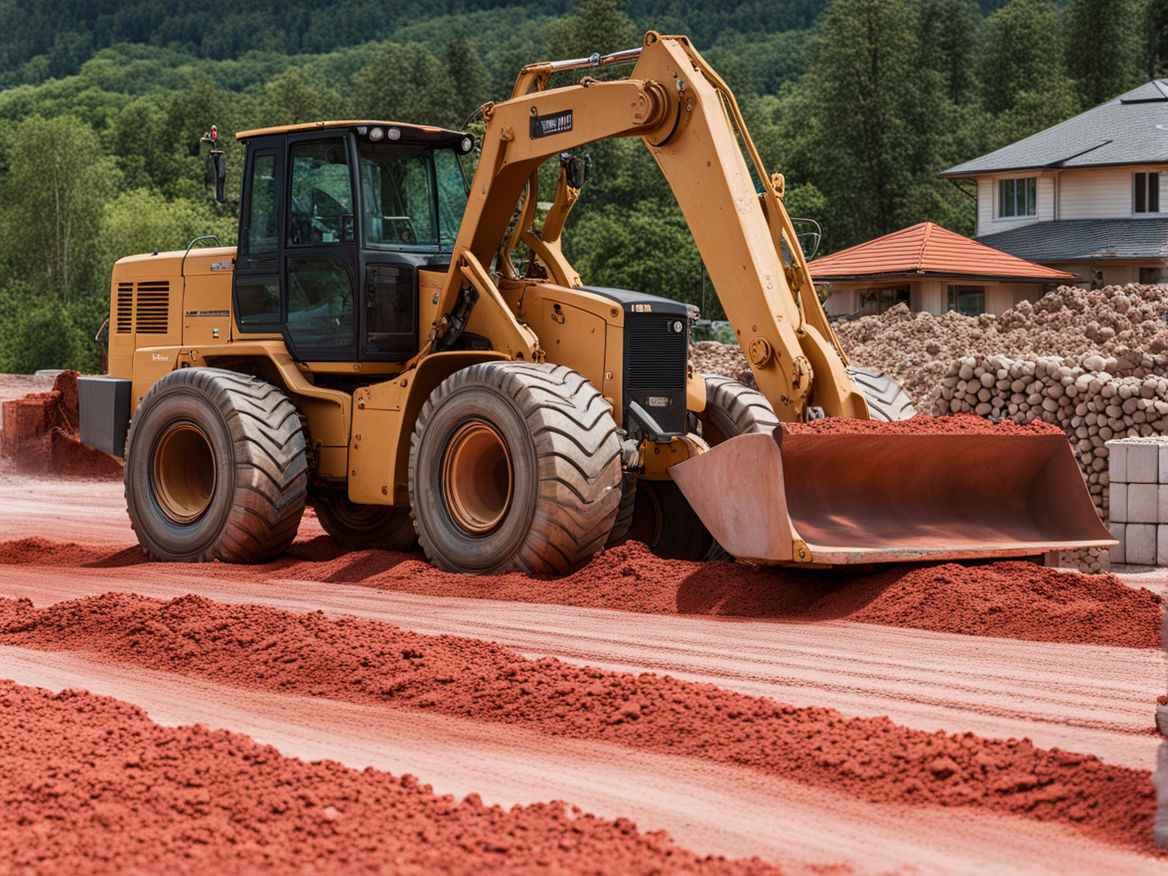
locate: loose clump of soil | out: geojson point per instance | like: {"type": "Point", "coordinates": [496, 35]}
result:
{"type": "Point", "coordinates": [92, 785]}
{"type": "Point", "coordinates": [1016, 600]}
{"type": "Point", "coordinates": [41, 434]}
{"type": "Point", "coordinates": [358, 660]}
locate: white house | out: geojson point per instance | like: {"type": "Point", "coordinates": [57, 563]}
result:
{"type": "Point", "coordinates": [1088, 196]}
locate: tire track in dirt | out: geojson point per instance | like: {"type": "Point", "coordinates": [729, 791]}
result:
{"type": "Point", "coordinates": [1076, 697]}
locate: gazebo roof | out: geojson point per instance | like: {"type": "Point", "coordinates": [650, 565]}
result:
{"type": "Point", "coordinates": [928, 250]}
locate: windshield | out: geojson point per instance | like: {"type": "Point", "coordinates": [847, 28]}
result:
{"type": "Point", "coordinates": [412, 196]}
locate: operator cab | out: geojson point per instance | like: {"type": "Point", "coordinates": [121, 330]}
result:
{"type": "Point", "coordinates": [335, 220]}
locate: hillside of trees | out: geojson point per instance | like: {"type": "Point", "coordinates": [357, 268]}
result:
{"type": "Point", "coordinates": [858, 102]}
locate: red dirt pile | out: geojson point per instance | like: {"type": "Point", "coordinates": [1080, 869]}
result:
{"type": "Point", "coordinates": [41, 434]}
{"type": "Point", "coordinates": [1015, 600]}
{"type": "Point", "coordinates": [958, 424]}
{"type": "Point", "coordinates": [358, 660]}
{"type": "Point", "coordinates": [92, 785]}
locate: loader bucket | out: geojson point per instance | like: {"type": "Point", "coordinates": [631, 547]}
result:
{"type": "Point", "coordinates": [880, 498]}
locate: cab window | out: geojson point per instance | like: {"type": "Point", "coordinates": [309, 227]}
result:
{"type": "Point", "coordinates": [413, 196]}
{"type": "Point", "coordinates": [322, 195]}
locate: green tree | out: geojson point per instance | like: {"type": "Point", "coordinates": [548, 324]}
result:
{"type": "Point", "coordinates": [644, 247]}
{"type": "Point", "coordinates": [51, 202]}
{"type": "Point", "coordinates": [406, 83]}
{"type": "Point", "coordinates": [140, 220]}
{"type": "Point", "coordinates": [1103, 48]}
{"type": "Point", "coordinates": [869, 117]}
{"type": "Point", "coordinates": [595, 26]}
{"type": "Point", "coordinates": [1154, 51]}
{"type": "Point", "coordinates": [468, 76]}
{"type": "Point", "coordinates": [1022, 53]}
{"type": "Point", "coordinates": [949, 31]}
{"type": "Point", "coordinates": [299, 94]}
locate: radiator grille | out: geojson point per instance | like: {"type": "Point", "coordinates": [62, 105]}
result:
{"type": "Point", "coordinates": [124, 312]}
{"type": "Point", "coordinates": [655, 355]}
{"type": "Point", "coordinates": [153, 307]}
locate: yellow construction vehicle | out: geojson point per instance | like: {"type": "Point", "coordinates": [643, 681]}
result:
{"type": "Point", "coordinates": [371, 347]}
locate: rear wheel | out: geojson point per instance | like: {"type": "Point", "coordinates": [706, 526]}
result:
{"type": "Point", "coordinates": [368, 526]}
{"type": "Point", "coordinates": [886, 398]}
{"type": "Point", "coordinates": [514, 466]}
{"type": "Point", "coordinates": [215, 468]}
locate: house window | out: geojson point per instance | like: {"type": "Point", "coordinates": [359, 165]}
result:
{"type": "Point", "coordinates": [1018, 197]}
{"type": "Point", "coordinates": [875, 301]}
{"type": "Point", "coordinates": [1154, 276]}
{"type": "Point", "coordinates": [1146, 192]}
{"type": "Point", "coordinates": [967, 300]}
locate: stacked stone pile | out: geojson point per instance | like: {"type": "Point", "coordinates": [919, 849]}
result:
{"type": "Point", "coordinates": [1093, 362]}
{"type": "Point", "coordinates": [918, 349]}
{"type": "Point", "coordinates": [724, 360]}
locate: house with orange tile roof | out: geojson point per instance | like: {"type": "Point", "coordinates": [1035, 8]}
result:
{"type": "Point", "coordinates": [930, 269]}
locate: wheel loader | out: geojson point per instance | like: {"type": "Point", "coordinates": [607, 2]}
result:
{"type": "Point", "coordinates": [370, 347]}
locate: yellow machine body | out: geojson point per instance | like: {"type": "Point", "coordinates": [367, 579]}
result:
{"type": "Point", "coordinates": [796, 499]}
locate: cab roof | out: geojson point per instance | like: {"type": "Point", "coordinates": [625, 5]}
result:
{"type": "Point", "coordinates": [414, 133]}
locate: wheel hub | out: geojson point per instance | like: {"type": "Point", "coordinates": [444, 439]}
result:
{"type": "Point", "coordinates": [476, 478]}
{"type": "Point", "coordinates": [184, 472]}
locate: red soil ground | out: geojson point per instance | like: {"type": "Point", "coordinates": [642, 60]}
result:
{"type": "Point", "coordinates": [41, 434]}
{"type": "Point", "coordinates": [364, 661]}
{"type": "Point", "coordinates": [92, 785]}
{"type": "Point", "coordinates": [958, 424]}
{"type": "Point", "coordinates": [1008, 599]}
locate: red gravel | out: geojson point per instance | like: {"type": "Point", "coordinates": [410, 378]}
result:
{"type": "Point", "coordinates": [91, 785]}
{"type": "Point", "coordinates": [957, 424]}
{"type": "Point", "coordinates": [1010, 599]}
{"type": "Point", "coordinates": [357, 660]}
{"type": "Point", "coordinates": [41, 434]}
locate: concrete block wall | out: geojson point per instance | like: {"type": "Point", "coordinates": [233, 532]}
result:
{"type": "Point", "coordinates": [1137, 471]}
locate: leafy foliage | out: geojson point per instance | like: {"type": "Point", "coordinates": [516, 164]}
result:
{"type": "Point", "coordinates": [859, 103]}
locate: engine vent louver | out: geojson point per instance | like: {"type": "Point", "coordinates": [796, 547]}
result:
{"type": "Point", "coordinates": [152, 307]}
{"type": "Point", "coordinates": [124, 314]}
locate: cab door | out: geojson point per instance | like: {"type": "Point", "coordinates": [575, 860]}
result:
{"type": "Point", "coordinates": [319, 251]}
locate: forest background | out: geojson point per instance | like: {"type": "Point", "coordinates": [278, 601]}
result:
{"type": "Point", "coordinates": [859, 103]}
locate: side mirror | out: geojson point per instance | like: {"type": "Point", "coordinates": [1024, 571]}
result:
{"type": "Point", "coordinates": [809, 234]}
{"type": "Point", "coordinates": [576, 170]}
{"type": "Point", "coordinates": [218, 163]}
{"type": "Point", "coordinates": [219, 170]}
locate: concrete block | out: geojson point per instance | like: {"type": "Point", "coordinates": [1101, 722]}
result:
{"type": "Point", "coordinates": [1143, 463]}
{"type": "Point", "coordinates": [1164, 462]}
{"type": "Point", "coordinates": [1117, 502]}
{"type": "Point", "coordinates": [1162, 503]}
{"type": "Point", "coordinates": [1162, 545]}
{"type": "Point", "coordinates": [1117, 462]}
{"type": "Point", "coordinates": [1142, 503]}
{"type": "Point", "coordinates": [1117, 532]}
{"type": "Point", "coordinates": [1139, 544]}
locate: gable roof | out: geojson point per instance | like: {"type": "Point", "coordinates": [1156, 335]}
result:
{"type": "Point", "coordinates": [1129, 129]}
{"type": "Point", "coordinates": [928, 250]}
{"type": "Point", "coordinates": [1085, 240]}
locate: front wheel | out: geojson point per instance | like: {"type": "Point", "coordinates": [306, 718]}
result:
{"type": "Point", "coordinates": [215, 468]}
{"type": "Point", "coordinates": [514, 467]}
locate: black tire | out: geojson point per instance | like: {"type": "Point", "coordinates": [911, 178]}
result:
{"type": "Point", "coordinates": [886, 398]}
{"type": "Point", "coordinates": [665, 522]}
{"type": "Point", "coordinates": [215, 468]}
{"type": "Point", "coordinates": [387, 527]}
{"type": "Point", "coordinates": [662, 518]}
{"type": "Point", "coordinates": [514, 467]}
{"type": "Point", "coordinates": [624, 512]}
{"type": "Point", "coordinates": [732, 410]}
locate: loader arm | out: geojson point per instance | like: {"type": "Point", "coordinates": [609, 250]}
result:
{"type": "Point", "coordinates": [683, 112]}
